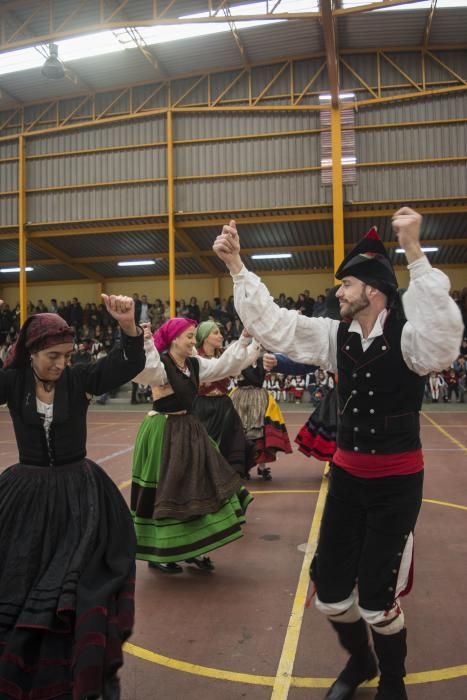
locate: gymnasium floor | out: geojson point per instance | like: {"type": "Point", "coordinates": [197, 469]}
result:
{"type": "Point", "coordinates": [243, 631]}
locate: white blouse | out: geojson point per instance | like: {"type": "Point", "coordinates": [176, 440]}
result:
{"type": "Point", "coordinates": [235, 357]}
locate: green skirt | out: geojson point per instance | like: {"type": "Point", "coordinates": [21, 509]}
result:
{"type": "Point", "coordinates": [186, 500]}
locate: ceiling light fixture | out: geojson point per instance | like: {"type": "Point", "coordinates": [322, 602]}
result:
{"type": "Point", "coordinates": [53, 68]}
{"type": "Point", "coordinates": [131, 263]}
{"type": "Point", "coordinates": [270, 256]}
{"type": "Point", "coordinates": [429, 249]}
{"type": "Point", "coordinates": [15, 269]}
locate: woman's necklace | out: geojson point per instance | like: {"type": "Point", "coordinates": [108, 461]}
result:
{"type": "Point", "coordinates": [183, 368]}
{"type": "Point", "coordinates": [48, 386]}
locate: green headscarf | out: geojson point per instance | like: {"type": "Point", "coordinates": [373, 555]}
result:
{"type": "Point", "coordinates": [204, 329]}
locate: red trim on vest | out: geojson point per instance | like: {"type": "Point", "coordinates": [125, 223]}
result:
{"type": "Point", "coordinates": [369, 466]}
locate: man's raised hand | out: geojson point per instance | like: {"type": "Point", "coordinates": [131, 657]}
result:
{"type": "Point", "coordinates": [227, 247]}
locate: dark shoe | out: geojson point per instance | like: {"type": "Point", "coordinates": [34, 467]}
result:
{"type": "Point", "coordinates": [203, 563]}
{"type": "Point", "coordinates": [170, 567]}
{"type": "Point", "coordinates": [394, 690]}
{"type": "Point", "coordinates": [265, 473]}
{"type": "Point", "coordinates": [359, 668]}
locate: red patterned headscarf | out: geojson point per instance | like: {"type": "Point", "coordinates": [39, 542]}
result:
{"type": "Point", "coordinates": [39, 332]}
{"type": "Point", "coordinates": [170, 330]}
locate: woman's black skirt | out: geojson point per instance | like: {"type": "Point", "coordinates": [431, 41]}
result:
{"type": "Point", "coordinates": [67, 552]}
{"type": "Point", "coordinates": [223, 425]}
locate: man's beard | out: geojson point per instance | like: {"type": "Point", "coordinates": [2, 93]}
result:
{"type": "Point", "coordinates": [352, 308]}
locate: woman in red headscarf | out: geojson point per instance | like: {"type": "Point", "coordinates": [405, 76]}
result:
{"type": "Point", "coordinates": [67, 543]}
{"type": "Point", "coordinates": [186, 498]}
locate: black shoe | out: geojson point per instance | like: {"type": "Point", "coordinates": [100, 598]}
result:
{"type": "Point", "coordinates": [170, 567]}
{"type": "Point", "coordinates": [203, 563]}
{"type": "Point", "coordinates": [265, 473]}
{"type": "Point", "coordinates": [357, 671]}
{"type": "Point", "coordinates": [394, 690]}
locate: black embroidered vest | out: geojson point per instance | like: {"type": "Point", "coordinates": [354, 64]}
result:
{"type": "Point", "coordinates": [185, 387]}
{"type": "Point", "coordinates": [379, 396]}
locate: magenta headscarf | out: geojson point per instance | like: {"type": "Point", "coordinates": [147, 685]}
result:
{"type": "Point", "coordinates": [170, 330]}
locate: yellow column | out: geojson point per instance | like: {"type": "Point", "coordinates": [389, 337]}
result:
{"type": "Point", "coordinates": [170, 211]}
{"type": "Point", "coordinates": [337, 187]}
{"type": "Point", "coordinates": [216, 287]}
{"type": "Point", "coordinates": [22, 227]}
{"type": "Point", "coordinates": [100, 289]}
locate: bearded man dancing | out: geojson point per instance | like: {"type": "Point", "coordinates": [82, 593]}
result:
{"type": "Point", "coordinates": [382, 349]}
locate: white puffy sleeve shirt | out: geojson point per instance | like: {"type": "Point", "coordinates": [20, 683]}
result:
{"type": "Point", "coordinates": [235, 357]}
{"type": "Point", "coordinates": [430, 339]}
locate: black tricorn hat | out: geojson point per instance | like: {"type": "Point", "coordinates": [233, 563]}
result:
{"type": "Point", "coordinates": [370, 263]}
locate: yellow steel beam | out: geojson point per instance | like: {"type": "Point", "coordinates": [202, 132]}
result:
{"type": "Point", "coordinates": [48, 248]}
{"type": "Point", "coordinates": [170, 210]}
{"type": "Point", "coordinates": [192, 248]}
{"type": "Point", "coordinates": [330, 43]}
{"type": "Point", "coordinates": [372, 6]}
{"type": "Point", "coordinates": [201, 255]}
{"type": "Point", "coordinates": [22, 227]}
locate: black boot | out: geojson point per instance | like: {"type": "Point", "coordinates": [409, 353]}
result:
{"type": "Point", "coordinates": [360, 667]}
{"type": "Point", "coordinates": [391, 650]}
{"type": "Point", "coordinates": [112, 688]}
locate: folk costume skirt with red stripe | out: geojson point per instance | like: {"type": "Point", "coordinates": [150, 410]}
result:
{"type": "Point", "coordinates": [67, 550]}
{"type": "Point", "coordinates": [263, 422]}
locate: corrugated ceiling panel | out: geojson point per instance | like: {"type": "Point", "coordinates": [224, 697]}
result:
{"type": "Point", "coordinates": [9, 252]}
{"type": "Point", "coordinates": [272, 41]}
{"type": "Point", "coordinates": [266, 235]}
{"type": "Point", "coordinates": [72, 205]}
{"type": "Point", "coordinates": [43, 273]}
{"type": "Point", "coordinates": [131, 243]}
{"type": "Point", "coordinates": [375, 29]}
{"type": "Point", "coordinates": [199, 54]}
{"type": "Point", "coordinates": [449, 26]}
{"type": "Point", "coordinates": [115, 69]}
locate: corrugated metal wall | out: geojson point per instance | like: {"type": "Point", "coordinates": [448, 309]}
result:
{"type": "Point", "coordinates": [90, 167]}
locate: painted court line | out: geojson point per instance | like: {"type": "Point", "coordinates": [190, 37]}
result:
{"type": "Point", "coordinates": [445, 432]}
{"type": "Point", "coordinates": [284, 671]}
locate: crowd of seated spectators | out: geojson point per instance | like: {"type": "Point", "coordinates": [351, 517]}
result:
{"type": "Point", "coordinates": [96, 334]}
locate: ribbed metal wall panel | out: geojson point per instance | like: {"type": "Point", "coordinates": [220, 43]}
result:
{"type": "Point", "coordinates": [90, 168]}
{"type": "Point", "coordinates": [8, 176]}
{"type": "Point", "coordinates": [247, 156]}
{"type": "Point", "coordinates": [109, 202]}
{"type": "Point", "coordinates": [8, 210]}
{"type": "Point", "coordinates": [377, 145]}
{"type": "Point", "coordinates": [137, 132]}
{"type": "Point", "coordinates": [231, 194]}
{"type": "Point", "coordinates": [410, 182]}
{"type": "Point", "coordinates": [225, 124]}
{"type": "Point", "coordinates": [430, 108]}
